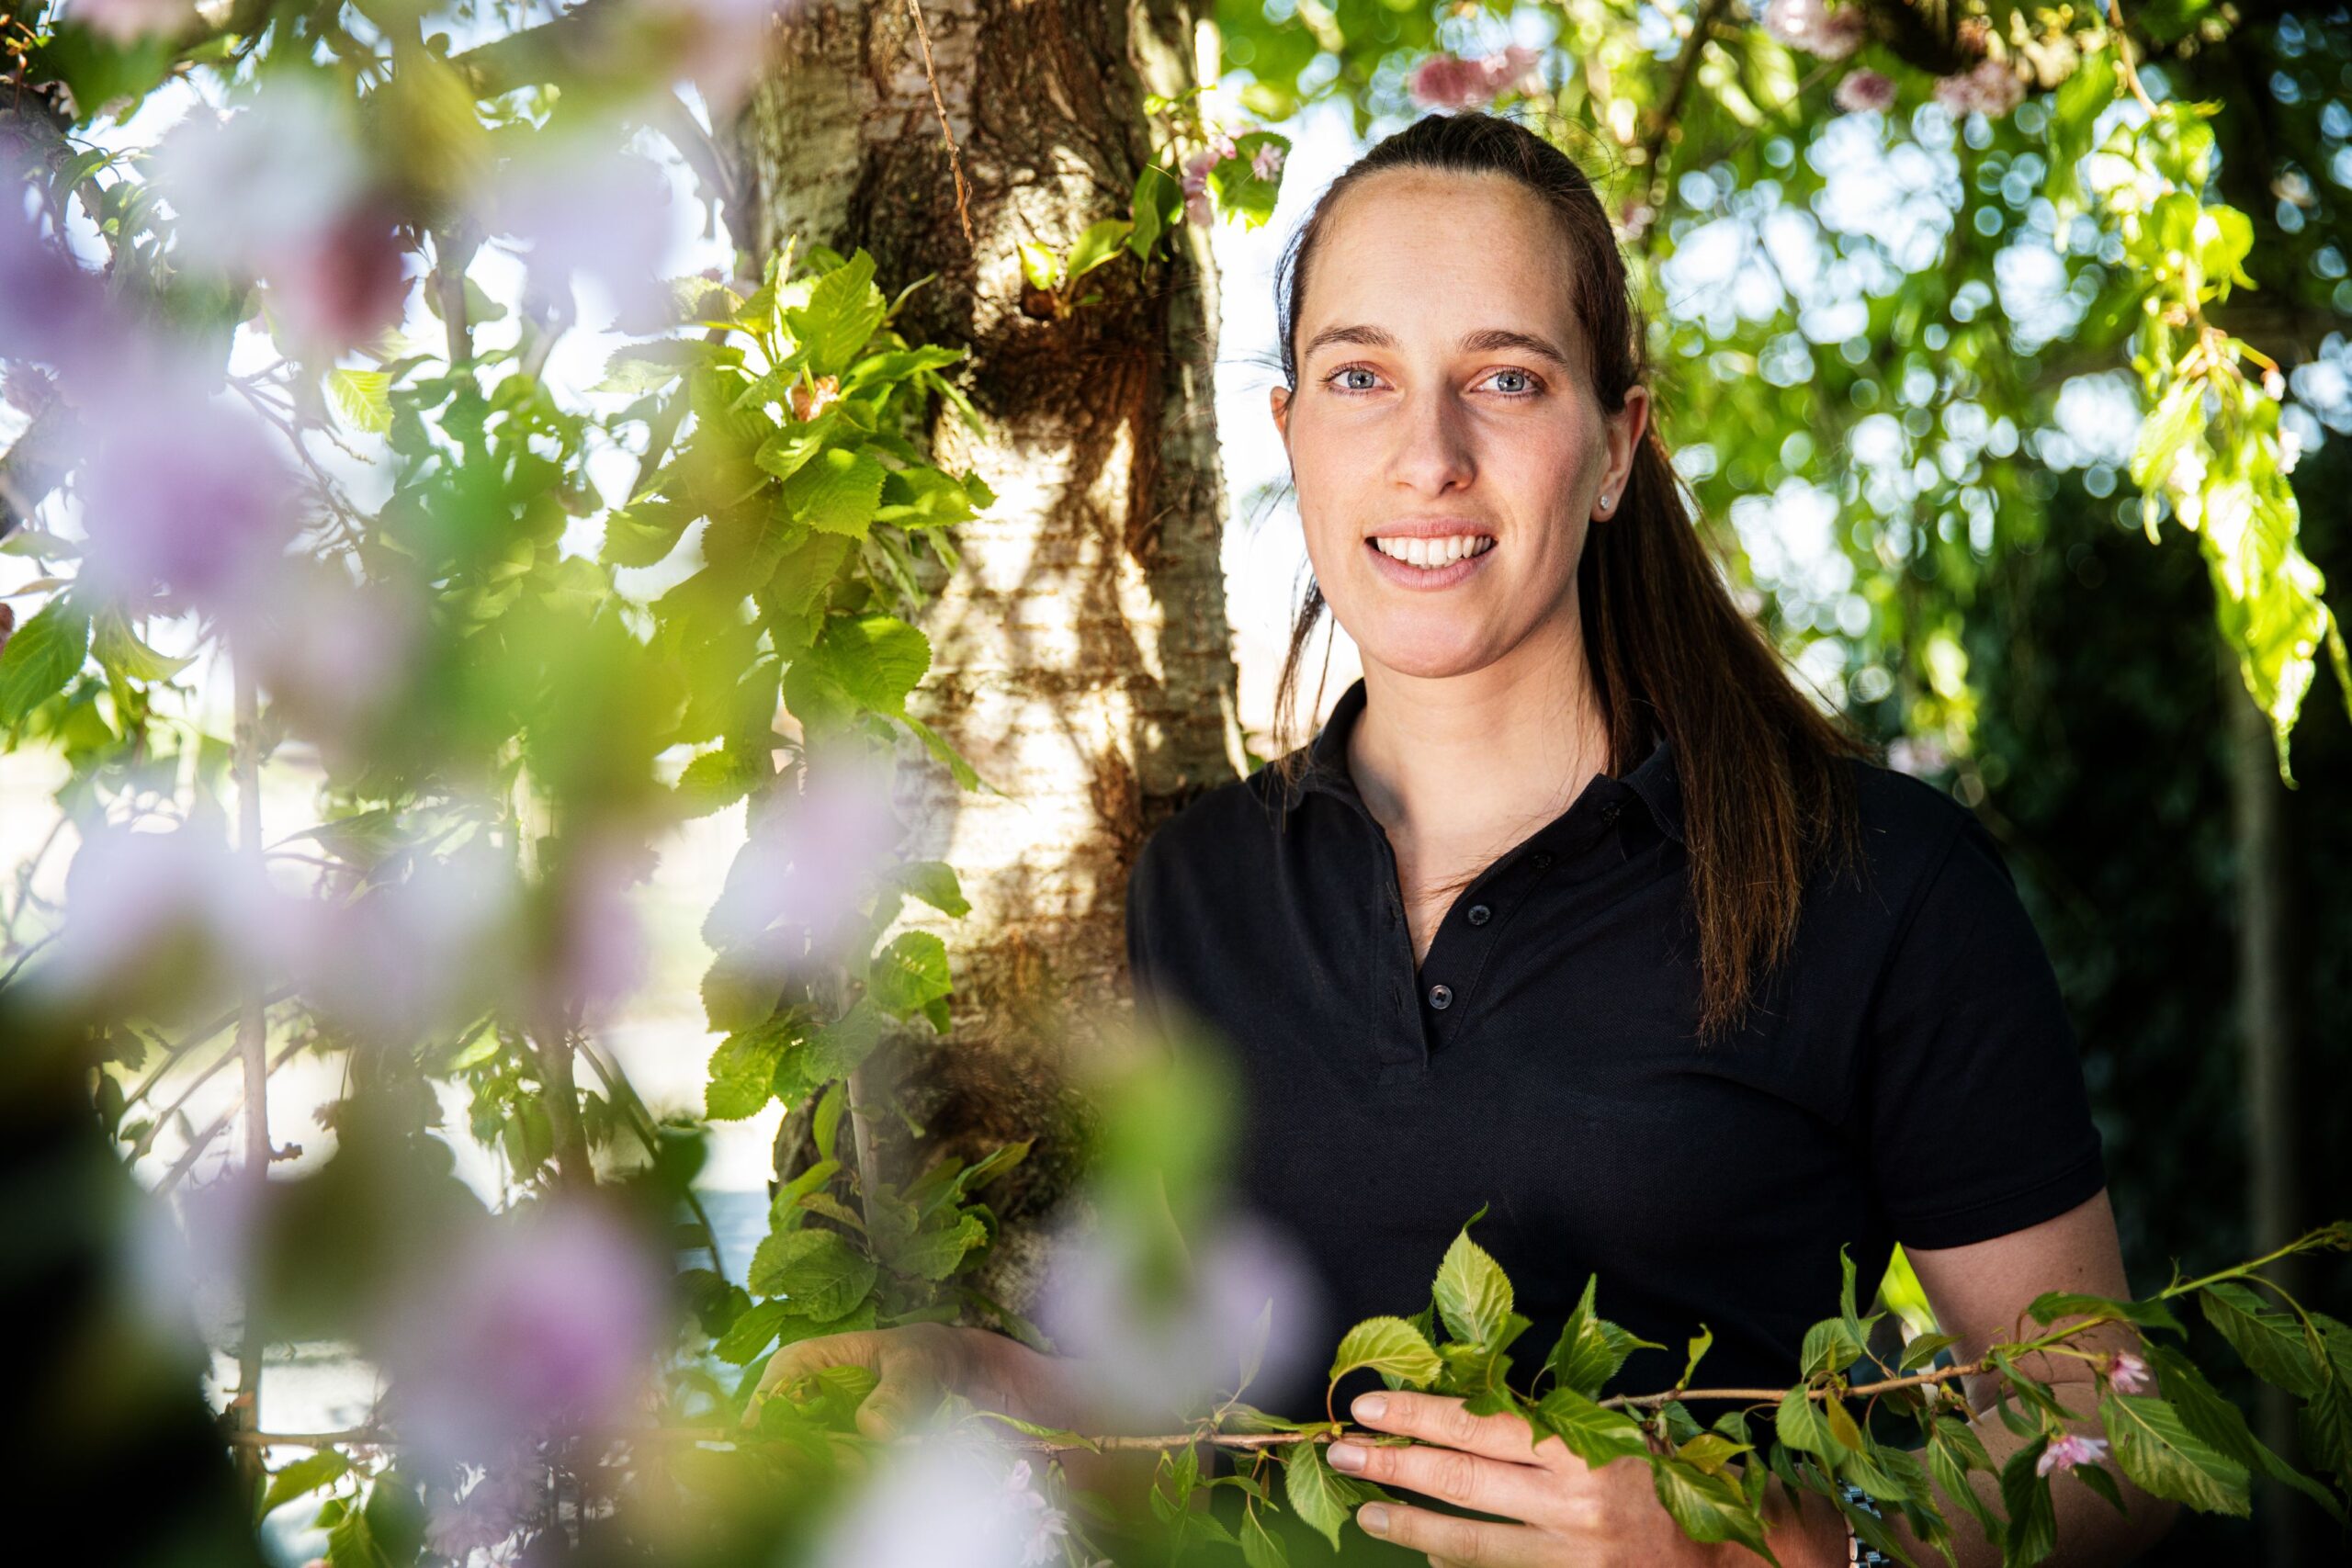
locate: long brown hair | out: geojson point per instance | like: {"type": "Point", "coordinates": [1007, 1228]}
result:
{"type": "Point", "coordinates": [1766, 791]}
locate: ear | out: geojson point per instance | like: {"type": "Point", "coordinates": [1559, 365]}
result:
{"type": "Point", "coordinates": [1625, 430]}
{"type": "Point", "coordinates": [1278, 400]}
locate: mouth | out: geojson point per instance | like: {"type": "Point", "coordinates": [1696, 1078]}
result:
{"type": "Point", "coordinates": [1428, 563]}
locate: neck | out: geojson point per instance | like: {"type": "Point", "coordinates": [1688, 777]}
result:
{"type": "Point", "coordinates": [1490, 751]}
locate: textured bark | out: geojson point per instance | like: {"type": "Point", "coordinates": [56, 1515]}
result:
{"type": "Point", "coordinates": [1080, 653]}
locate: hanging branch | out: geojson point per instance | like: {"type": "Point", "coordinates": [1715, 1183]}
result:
{"type": "Point", "coordinates": [253, 1044]}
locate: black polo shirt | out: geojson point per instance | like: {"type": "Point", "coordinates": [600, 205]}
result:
{"type": "Point", "coordinates": [1910, 1075]}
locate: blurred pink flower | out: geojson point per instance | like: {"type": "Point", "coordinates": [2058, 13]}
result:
{"type": "Point", "coordinates": [1813, 27]}
{"type": "Point", "coordinates": [2127, 1373]}
{"type": "Point", "coordinates": [582, 210]}
{"type": "Point", "coordinates": [1197, 205]}
{"type": "Point", "coordinates": [722, 44]}
{"type": "Point", "coordinates": [945, 1500]}
{"type": "Point", "coordinates": [1992, 89]}
{"type": "Point", "coordinates": [184, 495]}
{"type": "Point", "coordinates": [418, 954]}
{"type": "Point", "coordinates": [492, 1510]}
{"type": "Point", "coordinates": [812, 858]}
{"type": "Point", "coordinates": [130, 894]}
{"type": "Point", "coordinates": [598, 954]}
{"type": "Point", "coordinates": [333, 654]}
{"type": "Point", "coordinates": [543, 1324]}
{"type": "Point", "coordinates": [127, 21]}
{"type": "Point", "coordinates": [52, 311]}
{"type": "Point", "coordinates": [1267, 162]}
{"type": "Point", "coordinates": [1864, 89]}
{"type": "Point", "coordinates": [1155, 1357]}
{"type": "Point", "coordinates": [1221, 145]}
{"type": "Point", "coordinates": [344, 284]}
{"type": "Point", "coordinates": [1450, 82]}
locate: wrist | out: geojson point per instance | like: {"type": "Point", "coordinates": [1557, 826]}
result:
{"type": "Point", "coordinates": [1813, 1535]}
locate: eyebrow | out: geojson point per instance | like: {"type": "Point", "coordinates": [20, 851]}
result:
{"type": "Point", "coordinates": [1485, 340]}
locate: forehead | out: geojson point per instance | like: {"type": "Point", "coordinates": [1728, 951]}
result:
{"type": "Point", "coordinates": [1443, 251]}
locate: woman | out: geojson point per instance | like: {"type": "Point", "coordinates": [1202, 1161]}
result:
{"type": "Point", "coordinates": [1577, 909]}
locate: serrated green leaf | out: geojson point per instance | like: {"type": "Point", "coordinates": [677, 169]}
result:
{"type": "Point", "coordinates": [1098, 244]}
{"type": "Point", "coordinates": [1039, 264]}
{"type": "Point", "coordinates": [1594, 1433]}
{"type": "Point", "coordinates": [120, 650]}
{"type": "Point", "coordinates": [843, 310]}
{"type": "Point", "coordinates": [364, 398]}
{"type": "Point", "coordinates": [2032, 1533]}
{"type": "Point", "coordinates": [752, 1333]}
{"type": "Point", "coordinates": [818, 1273]}
{"type": "Point", "coordinates": [1319, 1495]}
{"type": "Point", "coordinates": [42, 656]}
{"type": "Point", "coordinates": [2048, 1308]}
{"type": "Point", "coordinates": [2162, 1457]}
{"type": "Point", "coordinates": [935, 882]}
{"type": "Point", "coordinates": [835, 492]}
{"type": "Point", "coordinates": [2222, 1427]}
{"type": "Point", "coordinates": [1709, 1509]}
{"type": "Point", "coordinates": [305, 1476]}
{"type": "Point", "coordinates": [1387, 1345]}
{"type": "Point", "coordinates": [1591, 1349]}
{"type": "Point", "coordinates": [909, 973]}
{"type": "Point", "coordinates": [1474, 1294]}
{"type": "Point", "coordinates": [2271, 1344]}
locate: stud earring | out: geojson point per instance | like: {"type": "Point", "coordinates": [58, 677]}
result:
{"type": "Point", "coordinates": [1604, 503]}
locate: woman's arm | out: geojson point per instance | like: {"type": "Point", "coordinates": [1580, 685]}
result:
{"type": "Point", "coordinates": [1980, 1293]}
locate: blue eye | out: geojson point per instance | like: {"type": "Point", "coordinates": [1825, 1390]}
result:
{"type": "Point", "coordinates": [1364, 386]}
{"type": "Point", "coordinates": [1526, 387]}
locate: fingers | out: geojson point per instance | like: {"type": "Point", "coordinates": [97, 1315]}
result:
{"type": "Point", "coordinates": [1491, 1486]}
{"type": "Point", "coordinates": [1473, 1543]}
{"type": "Point", "coordinates": [799, 1360]}
{"type": "Point", "coordinates": [1440, 1418]}
{"type": "Point", "coordinates": [911, 1366]}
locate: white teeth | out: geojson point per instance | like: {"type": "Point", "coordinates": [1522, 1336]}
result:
{"type": "Point", "coordinates": [1430, 554]}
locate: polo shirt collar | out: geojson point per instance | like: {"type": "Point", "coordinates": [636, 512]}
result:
{"type": "Point", "coordinates": [1653, 782]}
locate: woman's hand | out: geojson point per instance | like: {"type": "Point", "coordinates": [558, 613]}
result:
{"type": "Point", "coordinates": [916, 1364]}
{"type": "Point", "coordinates": [1561, 1510]}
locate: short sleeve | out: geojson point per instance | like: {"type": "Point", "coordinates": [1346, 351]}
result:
{"type": "Point", "coordinates": [1977, 1119]}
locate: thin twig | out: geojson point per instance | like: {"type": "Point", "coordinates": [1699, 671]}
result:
{"type": "Point", "coordinates": [955, 155]}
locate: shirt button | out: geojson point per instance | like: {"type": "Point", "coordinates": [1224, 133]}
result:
{"type": "Point", "coordinates": [1544, 858]}
{"type": "Point", "coordinates": [1609, 812]}
{"type": "Point", "coordinates": [1440, 997]}
{"type": "Point", "coordinates": [1480, 914]}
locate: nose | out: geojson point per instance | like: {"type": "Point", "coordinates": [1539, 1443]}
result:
{"type": "Point", "coordinates": [1433, 456]}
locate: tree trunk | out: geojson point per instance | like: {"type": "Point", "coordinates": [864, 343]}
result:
{"type": "Point", "coordinates": [2266, 1023]}
{"type": "Point", "coordinates": [1080, 653]}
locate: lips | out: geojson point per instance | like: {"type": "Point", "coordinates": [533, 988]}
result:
{"type": "Point", "coordinates": [1429, 578]}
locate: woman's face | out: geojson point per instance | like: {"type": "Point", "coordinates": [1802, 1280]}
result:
{"type": "Point", "coordinates": [1440, 409]}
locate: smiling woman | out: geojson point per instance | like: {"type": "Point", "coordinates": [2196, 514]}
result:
{"type": "Point", "coordinates": [1577, 913]}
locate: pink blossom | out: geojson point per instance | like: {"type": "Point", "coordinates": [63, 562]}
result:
{"type": "Point", "coordinates": [1196, 189]}
{"type": "Point", "coordinates": [543, 1324]}
{"type": "Point", "coordinates": [334, 655]}
{"type": "Point", "coordinates": [1813, 27]}
{"type": "Point", "coordinates": [945, 1498]}
{"type": "Point", "coordinates": [1450, 82]}
{"type": "Point", "coordinates": [2068, 1450]}
{"type": "Point", "coordinates": [1047, 1522]}
{"type": "Point", "coordinates": [2127, 1373]}
{"type": "Point", "coordinates": [1864, 89]}
{"type": "Point", "coordinates": [1157, 1354]}
{"type": "Point", "coordinates": [585, 212]}
{"type": "Point", "coordinates": [1221, 145]}
{"type": "Point", "coordinates": [183, 496]}
{"type": "Point", "coordinates": [809, 860]}
{"type": "Point", "coordinates": [1267, 162]}
{"type": "Point", "coordinates": [489, 1513]}
{"type": "Point", "coordinates": [52, 311]}
{"type": "Point", "coordinates": [1992, 89]}
{"type": "Point", "coordinates": [132, 898]}
{"type": "Point", "coordinates": [414, 953]}
{"type": "Point", "coordinates": [127, 21]}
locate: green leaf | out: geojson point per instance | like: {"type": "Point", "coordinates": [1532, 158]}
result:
{"type": "Point", "coordinates": [935, 1254]}
{"type": "Point", "coordinates": [2032, 1531]}
{"type": "Point", "coordinates": [1591, 1349]}
{"type": "Point", "coordinates": [1709, 1509]}
{"type": "Point", "coordinates": [877, 660]}
{"type": "Point", "coordinates": [818, 1272]}
{"type": "Point", "coordinates": [44, 654]}
{"type": "Point", "coordinates": [1799, 1425]}
{"type": "Point", "coordinates": [743, 1069]}
{"type": "Point", "coordinates": [843, 310]}
{"type": "Point", "coordinates": [364, 398]}
{"type": "Point", "coordinates": [118, 649]}
{"type": "Point", "coordinates": [1319, 1495]}
{"type": "Point", "coordinates": [1156, 201]}
{"type": "Point", "coordinates": [1474, 1295]}
{"type": "Point", "coordinates": [1098, 244]}
{"type": "Point", "coordinates": [909, 973]}
{"type": "Point", "coordinates": [2222, 1427]}
{"type": "Point", "coordinates": [2160, 1453]}
{"type": "Point", "coordinates": [1710, 1451]}
{"type": "Point", "coordinates": [2326, 1427]}
{"type": "Point", "coordinates": [304, 1476]}
{"type": "Point", "coordinates": [1039, 265]}
{"type": "Point", "coordinates": [1699, 1346]}
{"type": "Point", "coordinates": [1594, 1433]}
{"type": "Point", "coordinates": [1921, 1351]}
{"type": "Point", "coordinates": [2271, 1344]}
{"type": "Point", "coordinates": [1953, 1450]}
{"type": "Point", "coordinates": [2048, 1308]}
{"type": "Point", "coordinates": [1387, 1345]}
{"type": "Point", "coordinates": [837, 492]}
{"type": "Point", "coordinates": [1260, 1548]}
{"type": "Point", "coordinates": [752, 1333]}
{"type": "Point", "coordinates": [933, 881]}
{"type": "Point", "coordinates": [1829, 1347]}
